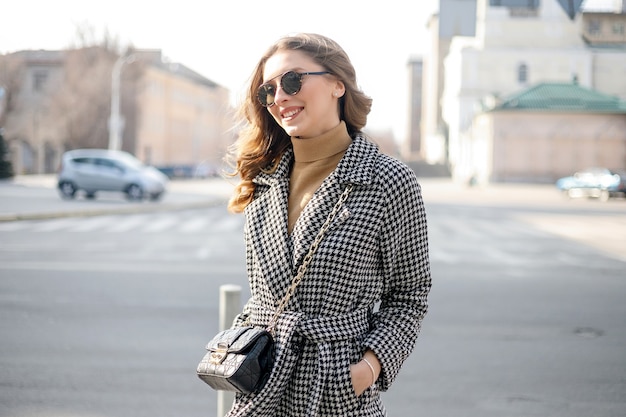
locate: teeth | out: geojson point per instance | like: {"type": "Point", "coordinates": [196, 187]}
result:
{"type": "Point", "coordinates": [291, 113]}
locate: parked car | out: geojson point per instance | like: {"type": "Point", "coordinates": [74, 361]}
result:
{"type": "Point", "coordinates": [598, 183]}
{"type": "Point", "coordinates": [93, 170]}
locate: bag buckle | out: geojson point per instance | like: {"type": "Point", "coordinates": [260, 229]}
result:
{"type": "Point", "coordinates": [219, 354]}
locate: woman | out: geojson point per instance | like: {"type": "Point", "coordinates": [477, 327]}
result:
{"type": "Point", "coordinates": [355, 316]}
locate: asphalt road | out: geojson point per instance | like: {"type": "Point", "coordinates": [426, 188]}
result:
{"type": "Point", "coordinates": [105, 313]}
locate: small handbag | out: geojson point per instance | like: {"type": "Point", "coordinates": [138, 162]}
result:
{"type": "Point", "coordinates": [240, 359]}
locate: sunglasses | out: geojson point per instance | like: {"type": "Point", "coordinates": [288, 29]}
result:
{"type": "Point", "coordinates": [290, 82]}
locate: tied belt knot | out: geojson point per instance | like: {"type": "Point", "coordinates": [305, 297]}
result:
{"type": "Point", "coordinates": [322, 331]}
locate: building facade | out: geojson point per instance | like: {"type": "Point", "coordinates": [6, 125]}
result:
{"type": "Point", "coordinates": [183, 118]}
{"type": "Point", "coordinates": [173, 115]}
{"type": "Point", "coordinates": [455, 18]}
{"type": "Point", "coordinates": [410, 149]}
{"type": "Point", "coordinates": [518, 45]}
{"type": "Point", "coordinates": [31, 132]}
{"type": "Point", "coordinates": [545, 132]}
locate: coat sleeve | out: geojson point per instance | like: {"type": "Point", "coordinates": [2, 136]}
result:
{"type": "Point", "coordinates": [406, 275]}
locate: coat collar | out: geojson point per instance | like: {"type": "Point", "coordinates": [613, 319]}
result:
{"type": "Point", "coordinates": [356, 167]}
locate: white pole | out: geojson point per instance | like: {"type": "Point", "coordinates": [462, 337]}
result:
{"type": "Point", "coordinates": [230, 306]}
{"type": "Point", "coordinates": [116, 121]}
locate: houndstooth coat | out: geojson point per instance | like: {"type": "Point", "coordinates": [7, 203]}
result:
{"type": "Point", "coordinates": [366, 287]}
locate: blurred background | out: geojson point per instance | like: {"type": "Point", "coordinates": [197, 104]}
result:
{"type": "Point", "coordinates": [511, 112]}
{"type": "Point", "coordinates": [479, 90]}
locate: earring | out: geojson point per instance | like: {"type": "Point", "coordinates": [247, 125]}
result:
{"type": "Point", "coordinates": [335, 94]}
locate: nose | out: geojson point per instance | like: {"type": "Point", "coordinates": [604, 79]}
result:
{"type": "Point", "coordinates": [280, 95]}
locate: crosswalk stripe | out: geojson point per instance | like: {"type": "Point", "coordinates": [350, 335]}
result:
{"type": "Point", "coordinates": [160, 224]}
{"type": "Point", "coordinates": [194, 225]}
{"type": "Point", "coordinates": [91, 224]}
{"type": "Point", "coordinates": [229, 222]}
{"type": "Point", "coordinates": [125, 224]}
{"type": "Point", "coordinates": [53, 225]}
{"type": "Point", "coordinates": [181, 223]}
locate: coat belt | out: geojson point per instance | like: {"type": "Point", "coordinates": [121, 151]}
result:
{"type": "Point", "coordinates": [335, 328]}
{"type": "Point", "coordinates": [322, 331]}
{"type": "Point", "coordinates": [332, 328]}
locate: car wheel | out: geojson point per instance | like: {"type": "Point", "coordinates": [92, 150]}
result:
{"type": "Point", "coordinates": [156, 196]}
{"type": "Point", "coordinates": [67, 189]}
{"type": "Point", "coordinates": [134, 192]}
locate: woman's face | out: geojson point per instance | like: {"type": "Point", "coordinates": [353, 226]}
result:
{"type": "Point", "coordinates": [314, 109]}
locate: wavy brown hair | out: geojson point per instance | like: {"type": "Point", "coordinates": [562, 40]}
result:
{"type": "Point", "coordinates": [262, 141]}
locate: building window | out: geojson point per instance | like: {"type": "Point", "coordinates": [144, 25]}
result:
{"type": "Point", "coordinates": [39, 80]}
{"type": "Point", "coordinates": [594, 27]}
{"type": "Point", "coordinates": [522, 73]}
{"type": "Point", "coordinates": [618, 28]}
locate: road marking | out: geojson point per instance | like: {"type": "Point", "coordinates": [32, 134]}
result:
{"type": "Point", "coordinates": [160, 224]}
{"type": "Point", "coordinates": [200, 223]}
{"type": "Point", "coordinates": [169, 268]}
{"type": "Point", "coordinates": [89, 225]}
{"type": "Point", "coordinates": [124, 224]}
{"type": "Point", "coordinates": [228, 223]}
{"type": "Point", "coordinates": [52, 225]}
{"type": "Point", "coordinates": [194, 225]}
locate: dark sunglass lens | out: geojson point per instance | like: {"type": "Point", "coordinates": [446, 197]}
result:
{"type": "Point", "coordinates": [291, 83]}
{"type": "Point", "coordinates": [266, 95]}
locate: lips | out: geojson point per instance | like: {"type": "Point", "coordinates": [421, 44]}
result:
{"type": "Point", "coordinates": [290, 113]}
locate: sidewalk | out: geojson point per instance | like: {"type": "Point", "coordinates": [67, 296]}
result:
{"type": "Point", "coordinates": [28, 197]}
{"type": "Point", "coordinates": [36, 197]}
{"type": "Point", "coordinates": [444, 190]}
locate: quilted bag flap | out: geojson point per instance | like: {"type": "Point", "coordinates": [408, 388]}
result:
{"type": "Point", "coordinates": [236, 340]}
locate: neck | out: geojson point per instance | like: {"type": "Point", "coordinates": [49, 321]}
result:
{"type": "Point", "coordinates": [314, 160]}
{"type": "Point", "coordinates": [334, 141]}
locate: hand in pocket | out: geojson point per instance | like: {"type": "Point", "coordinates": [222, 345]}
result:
{"type": "Point", "coordinates": [361, 377]}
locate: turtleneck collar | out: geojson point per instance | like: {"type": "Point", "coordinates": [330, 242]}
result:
{"type": "Point", "coordinates": [334, 141]}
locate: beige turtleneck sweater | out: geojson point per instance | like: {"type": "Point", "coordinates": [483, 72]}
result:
{"type": "Point", "coordinates": [314, 159]}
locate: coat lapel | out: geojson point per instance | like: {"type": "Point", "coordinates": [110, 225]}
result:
{"type": "Point", "coordinates": [356, 168]}
{"type": "Point", "coordinates": [267, 233]}
{"type": "Point", "coordinates": [277, 257]}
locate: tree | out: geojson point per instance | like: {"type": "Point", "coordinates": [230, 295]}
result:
{"type": "Point", "coordinates": [70, 105]}
{"type": "Point", "coordinates": [79, 109]}
{"type": "Point", "coordinates": [6, 168]}
{"type": "Point", "coordinates": [11, 73]}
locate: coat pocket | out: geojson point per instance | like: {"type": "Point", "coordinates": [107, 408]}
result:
{"type": "Point", "coordinates": [340, 395]}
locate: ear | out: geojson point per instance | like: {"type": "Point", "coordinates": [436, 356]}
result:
{"type": "Point", "coordinates": [339, 90]}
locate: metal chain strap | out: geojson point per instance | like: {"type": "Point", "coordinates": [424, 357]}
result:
{"type": "Point", "coordinates": [308, 258]}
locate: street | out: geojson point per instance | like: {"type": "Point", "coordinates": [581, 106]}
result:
{"type": "Point", "coordinates": [108, 314]}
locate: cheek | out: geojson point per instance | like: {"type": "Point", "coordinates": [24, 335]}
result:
{"type": "Point", "coordinates": [273, 111]}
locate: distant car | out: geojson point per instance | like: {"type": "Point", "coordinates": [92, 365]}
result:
{"type": "Point", "coordinates": [598, 183]}
{"type": "Point", "coordinates": [93, 170]}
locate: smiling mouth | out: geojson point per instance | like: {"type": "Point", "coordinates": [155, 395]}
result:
{"type": "Point", "coordinates": [291, 113]}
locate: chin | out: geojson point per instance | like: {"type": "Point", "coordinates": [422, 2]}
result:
{"type": "Point", "coordinates": [294, 131]}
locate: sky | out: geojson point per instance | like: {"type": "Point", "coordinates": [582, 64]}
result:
{"type": "Point", "coordinates": [223, 40]}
